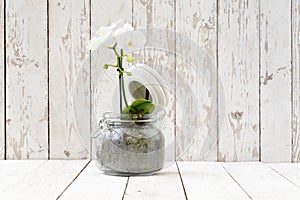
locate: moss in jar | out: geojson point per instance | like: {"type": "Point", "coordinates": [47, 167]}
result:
{"type": "Point", "coordinates": [132, 149]}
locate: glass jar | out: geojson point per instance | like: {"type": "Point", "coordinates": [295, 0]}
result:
{"type": "Point", "coordinates": [128, 147]}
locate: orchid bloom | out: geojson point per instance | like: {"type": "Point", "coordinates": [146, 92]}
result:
{"type": "Point", "coordinates": [131, 40]}
{"type": "Point", "coordinates": [103, 34]}
{"type": "Point", "coordinates": [128, 41]}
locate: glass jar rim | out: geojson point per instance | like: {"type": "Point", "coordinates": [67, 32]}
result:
{"type": "Point", "coordinates": [113, 118]}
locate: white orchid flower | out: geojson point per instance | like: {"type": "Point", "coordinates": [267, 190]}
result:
{"type": "Point", "coordinates": [103, 34]}
{"type": "Point", "coordinates": [96, 42]}
{"type": "Point", "coordinates": [105, 30]}
{"type": "Point", "coordinates": [130, 40]}
{"type": "Point", "coordinates": [126, 28]}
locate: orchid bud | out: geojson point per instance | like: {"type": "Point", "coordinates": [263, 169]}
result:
{"type": "Point", "coordinates": [129, 73]}
{"type": "Point", "coordinates": [105, 66]}
{"type": "Point", "coordinates": [130, 59]}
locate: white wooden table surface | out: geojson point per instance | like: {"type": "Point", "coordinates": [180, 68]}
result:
{"type": "Point", "coordinates": [80, 179]}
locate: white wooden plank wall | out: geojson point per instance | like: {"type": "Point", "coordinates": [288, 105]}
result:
{"type": "Point", "coordinates": [197, 20]}
{"type": "Point", "coordinates": [69, 28]}
{"type": "Point", "coordinates": [238, 65]}
{"type": "Point", "coordinates": [275, 80]}
{"type": "Point", "coordinates": [26, 80]}
{"type": "Point", "coordinates": [254, 45]}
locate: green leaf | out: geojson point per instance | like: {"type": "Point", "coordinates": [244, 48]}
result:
{"type": "Point", "coordinates": [145, 108]}
{"type": "Point", "coordinates": [149, 109]}
{"type": "Point", "coordinates": [139, 102]}
{"type": "Point", "coordinates": [138, 109]}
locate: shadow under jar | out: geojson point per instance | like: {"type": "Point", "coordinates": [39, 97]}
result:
{"type": "Point", "coordinates": [129, 147]}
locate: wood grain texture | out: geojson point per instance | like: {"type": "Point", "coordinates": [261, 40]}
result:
{"type": "Point", "coordinates": [296, 80]}
{"type": "Point", "coordinates": [238, 59]}
{"type": "Point", "coordinates": [2, 82]}
{"type": "Point", "coordinates": [159, 14]}
{"type": "Point", "coordinates": [68, 35]}
{"type": "Point", "coordinates": [275, 45]}
{"type": "Point", "coordinates": [26, 76]}
{"type": "Point", "coordinates": [196, 84]}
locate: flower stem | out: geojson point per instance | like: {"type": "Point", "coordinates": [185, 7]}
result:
{"type": "Point", "coordinates": [123, 89]}
{"type": "Point", "coordinates": [114, 49]}
{"type": "Point", "coordinates": [122, 77]}
{"type": "Point", "coordinates": [116, 52]}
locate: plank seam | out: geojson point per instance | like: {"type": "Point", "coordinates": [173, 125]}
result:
{"type": "Point", "coordinates": [4, 71]}
{"type": "Point", "coordinates": [280, 174]}
{"type": "Point", "coordinates": [291, 79]}
{"type": "Point", "coordinates": [259, 81]}
{"type": "Point", "coordinates": [292, 83]}
{"type": "Point", "coordinates": [124, 193]}
{"type": "Point", "coordinates": [48, 79]}
{"type": "Point", "coordinates": [217, 76]}
{"type": "Point", "coordinates": [73, 179]}
{"type": "Point", "coordinates": [236, 182]}
{"type": "Point", "coordinates": [90, 77]}
{"type": "Point", "coordinates": [175, 80]}
{"type": "Point", "coordinates": [132, 13]}
{"type": "Point", "coordinates": [181, 180]}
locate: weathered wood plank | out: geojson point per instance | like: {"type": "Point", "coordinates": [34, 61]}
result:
{"type": "Point", "coordinates": [2, 82]}
{"type": "Point", "coordinates": [238, 59]}
{"type": "Point", "coordinates": [296, 80]}
{"type": "Point", "coordinates": [93, 184]}
{"type": "Point", "coordinates": [196, 85]}
{"type": "Point", "coordinates": [290, 171]}
{"type": "Point", "coordinates": [275, 45]}
{"type": "Point", "coordinates": [261, 182]}
{"type": "Point", "coordinates": [159, 14]}
{"type": "Point", "coordinates": [209, 181]}
{"type": "Point", "coordinates": [68, 34]}
{"type": "Point", "coordinates": [46, 182]}
{"type": "Point", "coordinates": [26, 79]}
{"type": "Point", "coordinates": [165, 185]}
{"type": "Point", "coordinates": [12, 171]}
